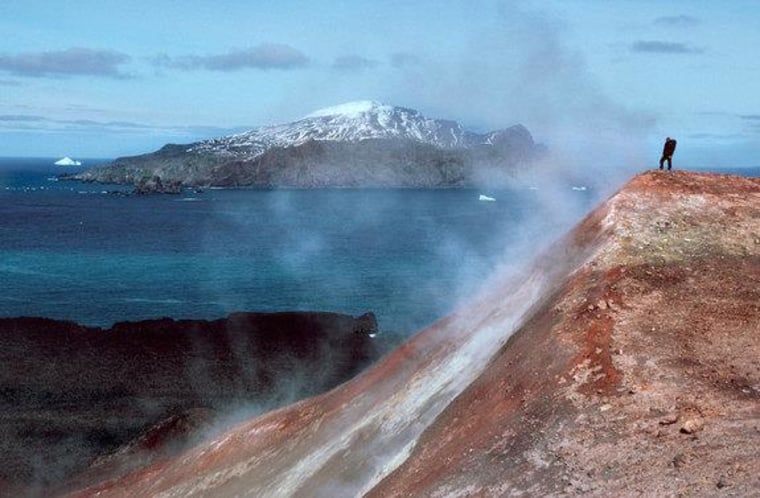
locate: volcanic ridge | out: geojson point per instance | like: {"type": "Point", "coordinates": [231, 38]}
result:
{"type": "Point", "coordinates": [623, 362]}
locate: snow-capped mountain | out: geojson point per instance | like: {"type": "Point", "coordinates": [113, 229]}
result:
{"type": "Point", "coordinates": [358, 144]}
{"type": "Point", "coordinates": [350, 122]}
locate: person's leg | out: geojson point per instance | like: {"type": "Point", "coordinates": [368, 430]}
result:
{"type": "Point", "coordinates": [670, 162]}
{"type": "Point", "coordinates": [662, 160]}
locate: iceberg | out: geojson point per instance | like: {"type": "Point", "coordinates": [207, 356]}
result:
{"type": "Point", "coordinates": [67, 161]}
{"type": "Point", "coordinates": [485, 198]}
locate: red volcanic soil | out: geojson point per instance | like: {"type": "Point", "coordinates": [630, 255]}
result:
{"type": "Point", "coordinates": [626, 362]}
{"type": "Point", "coordinates": [640, 375]}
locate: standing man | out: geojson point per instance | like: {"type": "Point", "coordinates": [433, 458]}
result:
{"type": "Point", "coordinates": [667, 152]}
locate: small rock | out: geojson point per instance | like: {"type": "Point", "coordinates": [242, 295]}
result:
{"type": "Point", "coordinates": [692, 425]}
{"type": "Point", "coordinates": [722, 483]}
{"type": "Point", "coordinates": [679, 460]}
{"type": "Point", "coordinates": [669, 419]}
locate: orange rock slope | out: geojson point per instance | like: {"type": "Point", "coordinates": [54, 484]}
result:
{"type": "Point", "coordinates": [625, 362]}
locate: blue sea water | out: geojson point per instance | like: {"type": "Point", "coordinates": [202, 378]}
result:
{"type": "Point", "coordinates": [83, 252]}
{"type": "Point", "coordinates": [89, 253]}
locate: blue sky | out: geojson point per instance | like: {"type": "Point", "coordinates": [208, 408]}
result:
{"type": "Point", "coordinates": [598, 79]}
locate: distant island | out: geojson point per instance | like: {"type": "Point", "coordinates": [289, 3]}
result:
{"type": "Point", "coordinates": [358, 144]}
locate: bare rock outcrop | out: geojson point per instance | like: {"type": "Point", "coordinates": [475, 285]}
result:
{"type": "Point", "coordinates": [75, 397]}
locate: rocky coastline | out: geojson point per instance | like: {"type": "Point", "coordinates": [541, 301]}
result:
{"type": "Point", "coordinates": [76, 397]}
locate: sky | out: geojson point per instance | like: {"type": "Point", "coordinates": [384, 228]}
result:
{"type": "Point", "coordinates": [602, 81]}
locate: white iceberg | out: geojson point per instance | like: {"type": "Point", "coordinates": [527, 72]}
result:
{"type": "Point", "coordinates": [485, 198]}
{"type": "Point", "coordinates": [67, 161]}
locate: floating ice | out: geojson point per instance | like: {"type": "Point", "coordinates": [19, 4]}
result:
{"type": "Point", "coordinates": [67, 161]}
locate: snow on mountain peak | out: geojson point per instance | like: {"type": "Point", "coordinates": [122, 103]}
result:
{"type": "Point", "coordinates": [350, 122]}
{"type": "Point", "coordinates": [351, 109]}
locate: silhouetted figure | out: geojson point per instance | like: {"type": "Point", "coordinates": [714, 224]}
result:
{"type": "Point", "coordinates": [667, 152]}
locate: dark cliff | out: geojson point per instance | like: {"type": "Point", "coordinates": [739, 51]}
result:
{"type": "Point", "coordinates": [73, 395]}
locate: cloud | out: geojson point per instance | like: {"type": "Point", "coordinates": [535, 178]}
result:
{"type": "Point", "coordinates": [520, 68]}
{"type": "Point", "coordinates": [353, 63]}
{"type": "Point", "coordinates": [20, 117]}
{"type": "Point", "coordinates": [264, 56]}
{"type": "Point", "coordinates": [752, 123]}
{"type": "Point", "coordinates": [663, 47]}
{"type": "Point", "coordinates": [401, 60]}
{"type": "Point", "coordinates": [716, 137]}
{"type": "Point", "coordinates": [70, 62]}
{"type": "Point", "coordinates": [678, 21]}
{"type": "Point", "coordinates": [713, 113]}
{"type": "Point", "coordinates": [42, 124]}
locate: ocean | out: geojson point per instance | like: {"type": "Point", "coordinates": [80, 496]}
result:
{"type": "Point", "coordinates": [94, 254]}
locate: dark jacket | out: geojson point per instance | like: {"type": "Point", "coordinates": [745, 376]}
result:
{"type": "Point", "coordinates": [670, 147]}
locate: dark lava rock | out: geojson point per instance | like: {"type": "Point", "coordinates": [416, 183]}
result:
{"type": "Point", "coordinates": [72, 395]}
{"type": "Point", "coordinates": [154, 185]}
